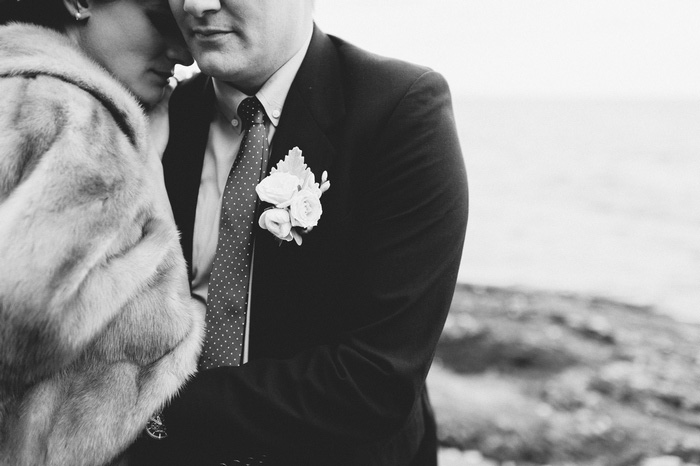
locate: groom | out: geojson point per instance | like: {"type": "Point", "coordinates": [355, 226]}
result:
{"type": "Point", "coordinates": [316, 353]}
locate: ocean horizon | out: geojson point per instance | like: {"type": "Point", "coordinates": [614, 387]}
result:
{"type": "Point", "coordinates": [591, 196]}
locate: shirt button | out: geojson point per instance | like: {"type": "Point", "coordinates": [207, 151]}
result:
{"type": "Point", "coordinates": [275, 114]}
{"type": "Point", "coordinates": [235, 123]}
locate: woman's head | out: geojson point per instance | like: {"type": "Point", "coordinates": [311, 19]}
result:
{"type": "Point", "coordinates": [135, 40]}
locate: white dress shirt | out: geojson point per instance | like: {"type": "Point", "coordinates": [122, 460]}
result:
{"type": "Point", "coordinates": [225, 136]}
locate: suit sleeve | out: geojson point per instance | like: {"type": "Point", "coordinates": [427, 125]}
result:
{"type": "Point", "coordinates": [407, 250]}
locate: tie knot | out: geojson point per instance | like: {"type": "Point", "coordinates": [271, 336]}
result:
{"type": "Point", "coordinates": [251, 111]}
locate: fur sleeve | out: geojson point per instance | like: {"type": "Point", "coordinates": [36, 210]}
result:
{"type": "Point", "coordinates": [78, 238]}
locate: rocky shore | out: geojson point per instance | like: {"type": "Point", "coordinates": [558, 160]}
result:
{"type": "Point", "coordinates": [535, 378]}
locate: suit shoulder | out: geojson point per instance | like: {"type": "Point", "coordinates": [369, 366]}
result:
{"type": "Point", "coordinates": [376, 86]}
{"type": "Point", "coordinates": [192, 98]}
{"type": "Point", "coordinates": [385, 74]}
{"type": "Point", "coordinates": [190, 88]}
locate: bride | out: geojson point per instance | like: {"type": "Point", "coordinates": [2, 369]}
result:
{"type": "Point", "coordinates": [97, 327]}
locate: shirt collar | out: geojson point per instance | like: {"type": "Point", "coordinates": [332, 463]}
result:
{"type": "Point", "coordinates": [271, 95]}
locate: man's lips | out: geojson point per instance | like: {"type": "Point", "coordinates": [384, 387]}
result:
{"type": "Point", "coordinates": [204, 32]}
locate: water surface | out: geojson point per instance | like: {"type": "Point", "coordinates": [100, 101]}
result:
{"type": "Point", "coordinates": [596, 197]}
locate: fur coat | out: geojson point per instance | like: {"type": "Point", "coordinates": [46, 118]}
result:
{"type": "Point", "coordinates": [97, 326]}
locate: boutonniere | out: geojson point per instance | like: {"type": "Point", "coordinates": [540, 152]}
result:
{"type": "Point", "coordinates": [295, 195]}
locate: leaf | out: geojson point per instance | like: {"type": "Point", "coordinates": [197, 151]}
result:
{"type": "Point", "coordinates": [293, 164]}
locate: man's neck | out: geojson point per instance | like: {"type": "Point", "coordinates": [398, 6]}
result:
{"type": "Point", "coordinates": [273, 93]}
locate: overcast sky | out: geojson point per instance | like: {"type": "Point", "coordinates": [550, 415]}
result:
{"type": "Point", "coordinates": [588, 48]}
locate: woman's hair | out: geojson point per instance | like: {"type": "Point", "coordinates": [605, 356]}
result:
{"type": "Point", "coordinates": [48, 13]}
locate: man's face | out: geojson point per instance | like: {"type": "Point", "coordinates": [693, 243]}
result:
{"type": "Point", "coordinates": [243, 42]}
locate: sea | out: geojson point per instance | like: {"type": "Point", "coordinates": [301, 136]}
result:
{"type": "Point", "coordinates": [593, 197]}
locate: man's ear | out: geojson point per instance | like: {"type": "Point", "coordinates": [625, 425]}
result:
{"type": "Point", "coordinates": [78, 9]}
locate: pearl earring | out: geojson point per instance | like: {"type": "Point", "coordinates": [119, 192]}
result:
{"type": "Point", "coordinates": [78, 16]}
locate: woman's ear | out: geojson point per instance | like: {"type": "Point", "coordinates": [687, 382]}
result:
{"type": "Point", "coordinates": [78, 9]}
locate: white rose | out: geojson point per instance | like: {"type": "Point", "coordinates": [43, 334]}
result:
{"type": "Point", "coordinates": [278, 188]}
{"type": "Point", "coordinates": [277, 222]}
{"type": "Point", "coordinates": [305, 209]}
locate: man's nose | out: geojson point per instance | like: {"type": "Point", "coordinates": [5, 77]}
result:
{"type": "Point", "coordinates": [198, 8]}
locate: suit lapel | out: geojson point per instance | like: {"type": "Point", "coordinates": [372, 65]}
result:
{"type": "Point", "coordinates": [314, 104]}
{"type": "Point", "coordinates": [301, 131]}
{"type": "Point", "coordinates": [191, 109]}
{"type": "Point", "coordinates": [312, 110]}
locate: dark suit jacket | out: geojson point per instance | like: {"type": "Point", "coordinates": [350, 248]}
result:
{"type": "Point", "coordinates": [344, 327]}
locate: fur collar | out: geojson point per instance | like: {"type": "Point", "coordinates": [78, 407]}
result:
{"type": "Point", "coordinates": [27, 49]}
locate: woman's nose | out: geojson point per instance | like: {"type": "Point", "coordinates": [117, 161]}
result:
{"type": "Point", "coordinates": [198, 8]}
{"type": "Point", "coordinates": [178, 53]}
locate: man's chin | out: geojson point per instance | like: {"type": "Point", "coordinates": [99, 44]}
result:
{"type": "Point", "coordinates": [225, 71]}
{"type": "Point", "coordinates": [213, 62]}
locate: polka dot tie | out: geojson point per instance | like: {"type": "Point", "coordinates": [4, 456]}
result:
{"type": "Point", "coordinates": [228, 285]}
